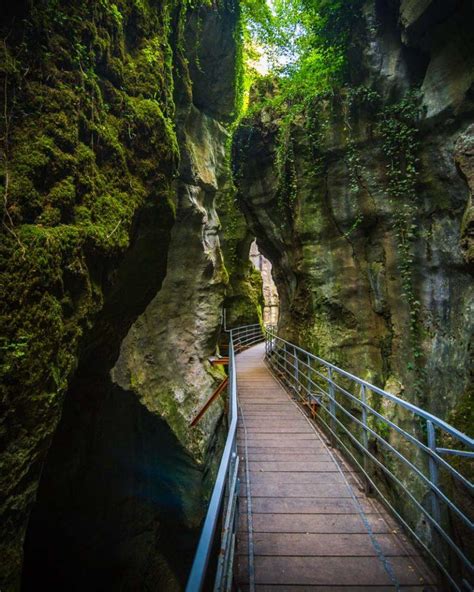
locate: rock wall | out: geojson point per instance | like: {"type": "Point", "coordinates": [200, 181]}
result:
{"type": "Point", "coordinates": [362, 206]}
{"type": "Point", "coordinates": [270, 292]}
{"type": "Point", "coordinates": [114, 137]}
{"type": "Point", "coordinates": [166, 350]}
{"type": "Point", "coordinates": [244, 297]}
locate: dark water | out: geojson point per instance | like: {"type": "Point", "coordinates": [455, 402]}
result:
{"type": "Point", "coordinates": [119, 502]}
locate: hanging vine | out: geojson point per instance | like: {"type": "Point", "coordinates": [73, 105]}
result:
{"type": "Point", "coordinates": [400, 146]}
{"type": "Point", "coordinates": [286, 172]}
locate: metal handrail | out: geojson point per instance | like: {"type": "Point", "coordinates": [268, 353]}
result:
{"type": "Point", "coordinates": [313, 379]}
{"type": "Point", "coordinates": [223, 502]}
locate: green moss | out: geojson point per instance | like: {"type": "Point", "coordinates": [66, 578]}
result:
{"type": "Point", "coordinates": [87, 141]}
{"type": "Point", "coordinates": [88, 151]}
{"type": "Point", "coordinates": [462, 417]}
{"type": "Point", "coordinates": [88, 138]}
{"type": "Point", "coordinates": [244, 296]}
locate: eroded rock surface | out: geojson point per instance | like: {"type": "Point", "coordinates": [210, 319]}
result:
{"type": "Point", "coordinates": [464, 157]}
{"type": "Point", "coordinates": [163, 359]}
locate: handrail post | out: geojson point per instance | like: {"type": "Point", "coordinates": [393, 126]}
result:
{"type": "Point", "coordinates": [433, 469]}
{"type": "Point", "coordinates": [434, 479]}
{"type": "Point", "coordinates": [332, 404]}
{"type": "Point", "coordinates": [230, 383]}
{"type": "Point", "coordinates": [365, 435]}
{"type": "Point", "coordinates": [296, 368]}
{"type": "Point", "coordinates": [308, 378]}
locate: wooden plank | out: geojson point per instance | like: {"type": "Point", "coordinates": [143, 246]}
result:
{"type": "Point", "coordinates": [276, 431]}
{"type": "Point", "coordinates": [253, 394]}
{"type": "Point", "coordinates": [302, 448]}
{"type": "Point", "coordinates": [293, 466]}
{"type": "Point", "coordinates": [280, 456]}
{"type": "Point", "coordinates": [219, 361]}
{"type": "Point", "coordinates": [275, 423]}
{"type": "Point", "coordinates": [305, 505]}
{"type": "Point", "coordinates": [270, 428]}
{"type": "Point", "coordinates": [272, 422]}
{"type": "Point", "coordinates": [259, 415]}
{"type": "Point", "coordinates": [288, 438]}
{"type": "Point", "coordinates": [319, 570]}
{"type": "Point", "coordinates": [324, 588]}
{"type": "Point", "coordinates": [273, 406]}
{"type": "Point", "coordinates": [296, 478]}
{"type": "Point", "coordinates": [315, 523]}
{"type": "Point", "coordinates": [328, 571]}
{"type": "Point", "coordinates": [288, 490]}
{"type": "Point", "coordinates": [322, 545]}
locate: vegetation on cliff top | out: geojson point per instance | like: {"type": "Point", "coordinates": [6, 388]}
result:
{"type": "Point", "coordinates": [300, 45]}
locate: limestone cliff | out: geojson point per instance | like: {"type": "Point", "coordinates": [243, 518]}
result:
{"type": "Point", "coordinates": [362, 206]}
{"type": "Point", "coordinates": [164, 358]}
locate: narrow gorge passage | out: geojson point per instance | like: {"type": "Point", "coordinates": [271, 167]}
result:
{"type": "Point", "coordinates": [174, 169]}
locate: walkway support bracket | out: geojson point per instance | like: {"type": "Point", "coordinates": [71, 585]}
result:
{"type": "Point", "coordinates": [209, 402]}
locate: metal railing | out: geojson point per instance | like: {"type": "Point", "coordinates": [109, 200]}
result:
{"type": "Point", "coordinates": [246, 336]}
{"type": "Point", "coordinates": [223, 503]}
{"type": "Point", "coordinates": [400, 449]}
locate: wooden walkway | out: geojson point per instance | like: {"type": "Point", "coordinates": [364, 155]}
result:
{"type": "Point", "coordinates": [310, 527]}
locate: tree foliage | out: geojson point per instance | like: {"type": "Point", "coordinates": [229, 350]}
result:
{"type": "Point", "coordinates": [304, 43]}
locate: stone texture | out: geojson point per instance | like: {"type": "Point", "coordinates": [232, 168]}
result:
{"type": "Point", "coordinates": [270, 292]}
{"type": "Point", "coordinates": [423, 42]}
{"type": "Point", "coordinates": [335, 257]}
{"type": "Point", "coordinates": [464, 157]}
{"type": "Point", "coordinates": [164, 358]}
{"type": "Point", "coordinates": [88, 160]}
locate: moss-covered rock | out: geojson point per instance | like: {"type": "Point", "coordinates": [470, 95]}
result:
{"type": "Point", "coordinates": [88, 142]}
{"type": "Point", "coordinates": [356, 200]}
{"type": "Point", "coordinates": [244, 296]}
{"type": "Point", "coordinates": [464, 158]}
{"type": "Point", "coordinates": [114, 130]}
